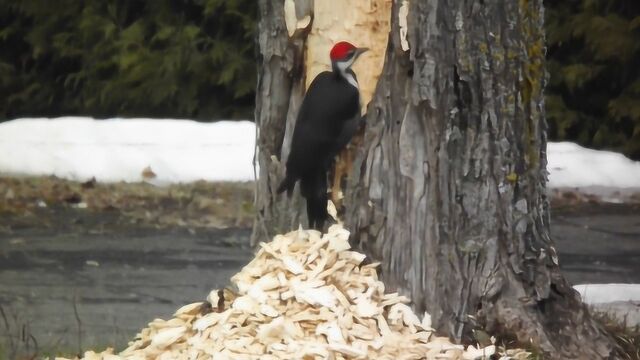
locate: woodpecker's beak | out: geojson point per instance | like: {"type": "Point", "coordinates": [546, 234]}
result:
{"type": "Point", "coordinates": [360, 51]}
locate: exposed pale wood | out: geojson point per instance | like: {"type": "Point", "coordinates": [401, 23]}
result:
{"type": "Point", "coordinates": [288, 65]}
{"type": "Point", "coordinates": [365, 23]}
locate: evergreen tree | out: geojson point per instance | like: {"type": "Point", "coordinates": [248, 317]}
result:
{"type": "Point", "coordinates": [593, 96]}
{"type": "Point", "coordinates": [127, 57]}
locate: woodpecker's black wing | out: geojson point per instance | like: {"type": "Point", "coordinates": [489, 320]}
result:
{"type": "Point", "coordinates": [329, 105]}
{"type": "Point", "coordinates": [324, 125]}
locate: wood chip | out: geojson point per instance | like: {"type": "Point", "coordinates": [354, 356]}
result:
{"type": "Point", "coordinates": [304, 295]}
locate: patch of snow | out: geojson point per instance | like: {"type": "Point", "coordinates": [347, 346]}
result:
{"type": "Point", "coordinates": [607, 293]}
{"type": "Point", "coordinates": [619, 301]}
{"type": "Point", "coordinates": [625, 312]}
{"type": "Point", "coordinates": [571, 165]}
{"type": "Point", "coordinates": [118, 149]}
{"type": "Point", "coordinates": [79, 148]}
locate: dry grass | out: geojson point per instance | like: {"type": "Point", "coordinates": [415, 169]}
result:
{"type": "Point", "coordinates": [628, 338]}
{"type": "Point", "coordinates": [198, 204]}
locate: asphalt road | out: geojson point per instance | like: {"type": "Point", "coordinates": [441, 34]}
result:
{"type": "Point", "coordinates": [80, 282]}
{"type": "Point", "coordinates": [598, 243]}
{"type": "Point", "coordinates": [83, 281]}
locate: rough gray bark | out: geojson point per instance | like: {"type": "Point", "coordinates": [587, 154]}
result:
{"type": "Point", "coordinates": [448, 188]}
{"type": "Point", "coordinates": [279, 93]}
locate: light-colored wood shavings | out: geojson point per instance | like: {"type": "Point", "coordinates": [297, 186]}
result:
{"type": "Point", "coordinates": [304, 295]}
{"type": "Point", "coordinates": [167, 337]}
{"type": "Point", "coordinates": [191, 309]}
{"type": "Point", "coordinates": [473, 353]}
{"type": "Point", "coordinates": [292, 265]}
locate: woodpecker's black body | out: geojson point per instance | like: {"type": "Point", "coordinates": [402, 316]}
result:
{"type": "Point", "coordinates": [328, 118]}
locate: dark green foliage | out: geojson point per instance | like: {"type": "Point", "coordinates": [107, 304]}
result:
{"type": "Point", "coordinates": [593, 96]}
{"type": "Point", "coordinates": [196, 59]}
{"type": "Point", "coordinates": [164, 58]}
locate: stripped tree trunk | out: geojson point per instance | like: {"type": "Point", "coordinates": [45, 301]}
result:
{"type": "Point", "coordinates": [293, 50]}
{"type": "Point", "coordinates": [447, 188]}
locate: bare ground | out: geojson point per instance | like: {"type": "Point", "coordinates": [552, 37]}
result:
{"type": "Point", "coordinates": [87, 265]}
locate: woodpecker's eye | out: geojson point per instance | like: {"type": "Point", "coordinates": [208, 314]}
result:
{"type": "Point", "coordinates": [350, 54]}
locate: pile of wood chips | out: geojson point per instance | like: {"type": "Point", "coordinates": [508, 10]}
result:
{"type": "Point", "coordinates": [303, 297]}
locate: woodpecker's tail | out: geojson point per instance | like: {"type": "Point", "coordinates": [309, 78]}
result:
{"type": "Point", "coordinates": [288, 184]}
{"type": "Point", "coordinates": [314, 189]}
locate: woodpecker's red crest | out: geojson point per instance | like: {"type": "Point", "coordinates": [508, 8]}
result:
{"type": "Point", "coordinates": [342, 51]}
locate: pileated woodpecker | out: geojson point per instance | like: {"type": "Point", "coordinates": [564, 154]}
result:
{"type": "Point", "coordinates": [328, 118]}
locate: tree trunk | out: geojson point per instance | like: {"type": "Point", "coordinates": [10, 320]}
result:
{"type": "Point", "coordinates": [447, 188]}
{"type": "Point", "coordinates": [278, 96]}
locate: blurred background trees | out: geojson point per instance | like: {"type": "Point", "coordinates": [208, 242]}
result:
{"type": "Point", "coordinates": [196, 59]}
{"type": "Point", "coordinates": [593, 94]}
{"type": "Point", "coordinates": [161, 58]}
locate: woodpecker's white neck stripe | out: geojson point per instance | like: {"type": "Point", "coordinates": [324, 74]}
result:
{"type": "Point", "coordinates": [350, 79]}
{"type": "Point", "coordinates": [343, 66]}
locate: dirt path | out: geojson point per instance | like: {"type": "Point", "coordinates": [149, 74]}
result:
{"type": "Point", "coordinates": [75, 279]}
